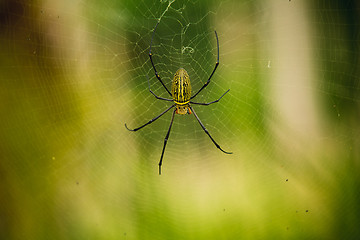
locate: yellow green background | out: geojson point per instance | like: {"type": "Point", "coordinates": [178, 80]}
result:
{"type": "Point", "coordinates": [72, 73]}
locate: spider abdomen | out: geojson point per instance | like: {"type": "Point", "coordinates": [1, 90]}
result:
{"type": "Point", "coordinates": [181, 88]}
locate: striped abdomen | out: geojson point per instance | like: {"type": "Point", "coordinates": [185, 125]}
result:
{"type": "Point", "coordinates": [181, 88]}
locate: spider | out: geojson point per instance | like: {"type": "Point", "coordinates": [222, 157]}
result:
{"type": "Point", "coordinates": [181, 98]}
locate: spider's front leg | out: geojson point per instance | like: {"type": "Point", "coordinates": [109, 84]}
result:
{"type": "Point", "coordinates": [151, 121]}
{"type": "Point", "coordinates": [207, 132]}
{"type": "Point", "coordinates": [165, 141]}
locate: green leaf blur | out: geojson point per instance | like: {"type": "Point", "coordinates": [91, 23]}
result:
{"type": "Point", "coordinates": [73, 73]}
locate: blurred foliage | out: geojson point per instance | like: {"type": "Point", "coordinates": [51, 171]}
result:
{"type": "Point", "coordinates": [72, 73]}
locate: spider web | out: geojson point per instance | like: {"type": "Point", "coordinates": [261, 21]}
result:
{"type": "Point", "coordinates": [72, 74]}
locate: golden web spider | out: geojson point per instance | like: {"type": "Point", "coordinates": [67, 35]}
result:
{"type": "Point", "coordinates": [181, 97]}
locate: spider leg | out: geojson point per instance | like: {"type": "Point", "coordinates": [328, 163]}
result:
{"type": "Point", "coordinates": [216, 65]}
{"type": "Point", "coordinates": [152, 63]}
{"type": "Point", "coordinates": [207, 132]}
{"type": "Point", "coordinates": [161, 98]}
{"type": "Point", "coordinates": [165, 141]}
{"type": "Point", "coordinates": [206, 104]}
{"type": "Point", "coordinates": [151, 121]}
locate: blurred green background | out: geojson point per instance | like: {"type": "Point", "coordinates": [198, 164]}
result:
{"type": "Point", "coordinates": [73, 72]}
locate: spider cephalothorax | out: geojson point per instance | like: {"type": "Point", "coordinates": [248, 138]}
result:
{"type": "Point", "coordinates": [181, 97]}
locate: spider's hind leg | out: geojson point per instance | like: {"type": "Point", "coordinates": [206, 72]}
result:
{"type": "Point", "coordinates": [152, 62]}
{"type": "Point", "coordinates": [206, 104]}
{"type": "Point", "coordinates": [216, 65]}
